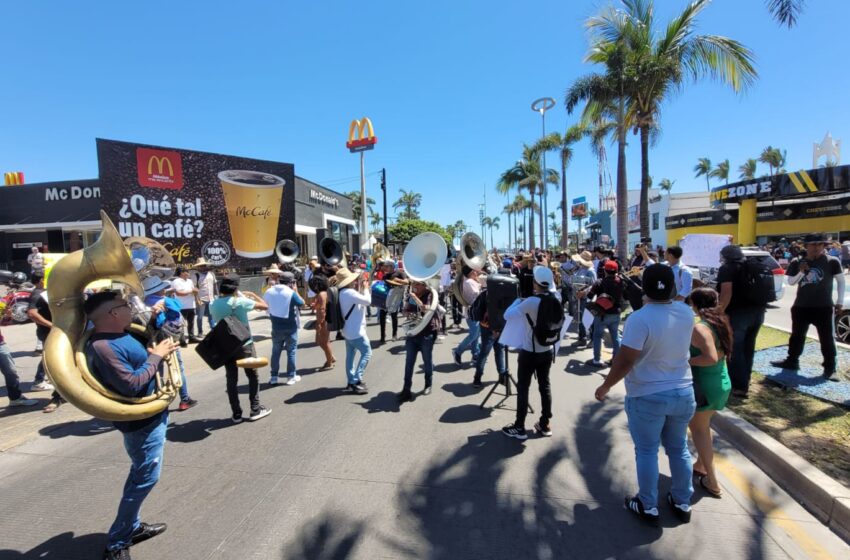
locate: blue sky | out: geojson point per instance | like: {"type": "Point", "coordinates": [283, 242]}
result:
{"type": "Point", "coordinates": [448, 86]}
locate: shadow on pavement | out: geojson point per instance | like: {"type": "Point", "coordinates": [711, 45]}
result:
{"type": "Point", "coordinates": [385, 401]}
{"type": "Point", "coordinates": [195, 430]}
{"type": "Point", "coordinates": [333, 537]}
{"type": "Point", "coordinates": [15, 410]}
{"type": "Point", "coordinates": [315, 395]}
{"type": "Point", "coordinates": [464, 413]}
{"type": "Point", "coordinates": [62, 547]}
{"type": "Point", "coordinates": [577, 367]}
{"type": "Point", "coordinates": [90, 427]}
{"type": "Point", "coordinates": [450, 367]}
{"type": "Point", "coordinates": [462, 389]}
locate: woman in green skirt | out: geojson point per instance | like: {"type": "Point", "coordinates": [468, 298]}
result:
{"type": "Point", "coordinates": [711, 345]}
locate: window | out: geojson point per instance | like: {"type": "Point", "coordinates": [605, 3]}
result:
{"type": "Point", "coordinates": [655, 220]}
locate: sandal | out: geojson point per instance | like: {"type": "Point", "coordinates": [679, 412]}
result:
{"type": "Point", "coordinates": [716, 493]}
{"type": "Point", "coordinates": [699, 474]}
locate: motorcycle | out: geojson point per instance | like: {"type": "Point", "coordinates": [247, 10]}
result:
{"type": "Point", "coordinates": [14, 305]}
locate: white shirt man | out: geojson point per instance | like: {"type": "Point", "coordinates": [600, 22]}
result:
{"type": "Point", "coordinates": [36, 261]}
{"type": "Point", "coordinates": [684, 278]}
{"type": "Point", "coordinates": [284, 305]}
{"type": "Point", "coordinates": [354, 298]}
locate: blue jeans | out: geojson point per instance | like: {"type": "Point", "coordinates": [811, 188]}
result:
{"type": "Point", "coordinates": [745, 329]}
{"type": "Point", "coordinates": [662, 418]}
{"type": "Point", "coordinates": [488, 342]}
{"type": "Point", "coordinates": [610, 321]}
{"type": "Point", "coordinates": [412, 346]}
{"type": "Point", "coordinates": [10, 373]}
{"type": "Point", "coordinates": [352, 370]}
{"type": "Point", "coordinates": [203, 310]}
{"type": "Point", "coordinates": [471, 340]}
{"type": "Point", "coordinates": [184, 388]}
{"type": "Point", "coordinates": [288, 341]}
{"type": "Point", "coordinates": [145, 449]}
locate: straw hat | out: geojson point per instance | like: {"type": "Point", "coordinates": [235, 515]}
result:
{"type": "Point", "coordinates": [344, 277]}
{"type": "Point", "coordinates": [585, 259]}
{"type": "Point", "coordinates": [273, 269]}
{"type": "Point", "coordinates": [202, 262]}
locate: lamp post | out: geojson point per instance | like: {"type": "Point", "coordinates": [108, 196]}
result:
{"type": "Point", "coordinates": [541, 106]}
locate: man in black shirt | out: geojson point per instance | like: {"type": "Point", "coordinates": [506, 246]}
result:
{"type": "Point", "coordinates": [39, 313]}
{"type": "Point", "coordinates": [525, 274]}
{"type": "Point", "coordinates": [745, 317]}
{"type": "Point", "coordinates": [608, 292]}
{"type": "Point", "coordinates": [419, 301]}
{"type": "Point", "coordinates": [814, 274]}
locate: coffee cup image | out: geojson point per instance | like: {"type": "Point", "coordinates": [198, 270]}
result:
{"type": "Point", "coordinates": [252, 201]}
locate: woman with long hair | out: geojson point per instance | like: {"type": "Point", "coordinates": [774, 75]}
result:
{"type": "Point", "coordinates": [711, 344]}
{"type": "Point", "coordinates": [319, 285]}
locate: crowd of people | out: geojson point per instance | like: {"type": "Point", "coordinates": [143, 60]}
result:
{"type": "Point", "coordinates": [684, 348]}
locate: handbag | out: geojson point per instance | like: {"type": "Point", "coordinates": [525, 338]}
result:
{"type": "Point", "coordinates": [223, 342]}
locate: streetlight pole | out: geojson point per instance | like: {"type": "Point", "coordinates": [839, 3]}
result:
{"type": "Point", "coordinates": [384, 188]}
{"type": "Point", "coordinates": [541, 106]}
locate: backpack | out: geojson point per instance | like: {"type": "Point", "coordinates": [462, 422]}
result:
{"type": "Point", "coordinates": [478, 309]}
{"type": "Point", "coordinates": [333, 313]}
{"type": "Point", "coordinates": [758, 279]}
{"type": "Point", "coordinates": [223, 342]}
{"type": "Point", "coordinates": [550, 319]}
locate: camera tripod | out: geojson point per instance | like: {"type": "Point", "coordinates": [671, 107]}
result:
{"type": "Point", "coordinates": [508, 379]}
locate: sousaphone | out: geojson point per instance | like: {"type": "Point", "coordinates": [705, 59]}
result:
{"type": "Point", "coordinates": [472, 254]}
{"type": "Point", "coordinates": [423, 258]}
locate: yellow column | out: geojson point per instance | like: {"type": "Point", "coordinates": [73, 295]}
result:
{"type": "Point", "coordinates": [747, 222]}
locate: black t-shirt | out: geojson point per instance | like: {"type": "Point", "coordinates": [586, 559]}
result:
{"type": "Point", "coordinates": [526, 282]}
{"type": "Point", "coordinates": [734, 273]}
{"type": "Point", "coordinates": [613, 287]}
{"type": "Point", "coordinates": [815, 288]}
{"type": "Point", "coordinates": [38, 301]}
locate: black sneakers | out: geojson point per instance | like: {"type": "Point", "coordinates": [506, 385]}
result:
{"type": "Point", "coordinates": [511, 430]}
{"type": "Point", "coordinates": [146, 531]}
{"type": "Point", "coordinates": [427, 390]}
{"type": "Point", "coordinates": [830, 374]}
{"type": "Point", "coordinates": [650, 516]}
{"type": "Point", "coordinates": [360, 388]}
{"type": "Point", "coordinates": [545, 431]}
{"type": "Point", "coordinates": [261, 412]}
{"type": "Point", "coordinates": [120, 554]}
{"type": "Point", "coordinates": [787, 363]}
{"type": "Point", "coordinates": [404, 396]}
{"type": "Point", "coordinates": [682, 511]}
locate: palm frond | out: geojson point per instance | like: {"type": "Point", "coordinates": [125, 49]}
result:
{"type": "Point", "coordinates": [786, 12]}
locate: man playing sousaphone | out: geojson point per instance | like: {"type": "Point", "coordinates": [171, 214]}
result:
{"type": "Point", "coordinates": [418, 302]}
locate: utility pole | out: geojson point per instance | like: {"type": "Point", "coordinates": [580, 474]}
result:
{"type": "Point", "coordinates": [384, 189]}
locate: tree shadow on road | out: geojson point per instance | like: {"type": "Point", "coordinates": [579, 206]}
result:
{"type": "Point", "coordinates": [62, 547]}
{"type": "Point", "coordinates": [333, 537]}
{"type": "Point", "coordinates": [80, 428]}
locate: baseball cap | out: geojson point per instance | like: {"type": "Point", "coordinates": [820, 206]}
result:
{"type": "Point", "coordinates": [611, 266]}
{"type": "Point", "coordinates": [543, 276]}
{"type": "Point", "coordinates": [658, 282]}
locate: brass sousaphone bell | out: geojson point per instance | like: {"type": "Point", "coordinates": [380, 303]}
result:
{"type": "Point", "coordinates": [423, 258]}
{"type": "Point", "coordinates": [331, 253]}
{"type": "Point", "coordinates": [472, 254]}
{"type": "Point", "coordinates": [287, 251]}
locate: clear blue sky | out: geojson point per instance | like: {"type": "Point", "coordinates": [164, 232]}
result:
{"type": "Point", "coordinates": [447, 84]}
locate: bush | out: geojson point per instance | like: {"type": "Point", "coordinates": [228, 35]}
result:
{"type": "Point", "coordinates": [405, 230]}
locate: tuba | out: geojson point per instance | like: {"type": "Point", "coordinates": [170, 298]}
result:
{"type": "Point", "coordinates": [287, 251]}
{"type": "Point", "coordinates": [472, 254]}
{"type": "Point", "coordinates": [423, 258]}
{"type": "Point", "coordinates": [379, 253]}
{"type": "Point", "coordinates": [331, 253]}
{"type": "Point", "coordinates": [64, 350]}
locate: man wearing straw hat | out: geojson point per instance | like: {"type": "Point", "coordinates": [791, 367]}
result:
{"type": "Point", "coordinates": [583, 279]}
{"type": "Point", "coordinates": [207, 290]}
{"type": "Point", "coordinates": [354, 298]}
{"type": "Point", "coordinates": [284, 310]}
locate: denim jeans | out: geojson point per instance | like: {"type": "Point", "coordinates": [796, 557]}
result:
{"type": "Point", "coordinates": [471, 340]}
{"type": "Point", "coordinates": [354, 371]}
{"type": "Point", "coordinates": [203, 310]}
{"type": "Point", "coordinates": [662, 418]}
{"type": "Point", "coordinates": [145, 449]}
{"type": "Point", "coordinates": [745, 328]}
{"type": "Point", "coordinates": [10, 373]}
{"type": "Point", "coordinates": [610, 321]}
{"type": "Point", "coordinates": [40, 373]}
{"type": "Point", "coordinates": [488, 342]}
{"type": "Point", "coordinates": [284, 341]}
{"type": "Point", "coordinates": [582, 332]}
{"type": "Point", "coordinates": [412, 346]}
{"type": "Point", "coordinates": [184, 388]}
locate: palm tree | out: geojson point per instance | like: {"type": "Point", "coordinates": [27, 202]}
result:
{"type": "Point", "coordinates": [666, 185]}
{"type": "Point", "coordinates": [703, 167]}
{"type": "Point", "coordinates": [563, 144]}
{"type": "Point", "coordinates": [658, 61]}
{"type": "Point", "coordinates": [774, 158]}
{"type": "Point", "coordinates": [450, 229]}
{"type": "Point", "coordinates": [526, 173]}
{"type": "Point", "coordinates": [786, 12]}
{"type": "Point", "coordinates": [494, 223]}
{"type": "Point", "coordinates": [355, 199]}
{"type": "Point", "coordinates": [410, 201]}
{"type": "Point", "coordinates": [748, 169]}
{"type": "Point", "coordinates": [375, 220]}
{"type": "Point", "coordinates": [508, 210]}
{"type": "Point", "coordinates": [520, 204]}
{"type": "Point", "coordinates": [721, 171]}
{"type": "Point", "coordinates": [460, 229]}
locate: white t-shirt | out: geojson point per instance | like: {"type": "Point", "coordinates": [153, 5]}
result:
{"type": "Point", "coordinates": [279, 298]}
{"type": "Point", "coordinates": [662, 334]}
{"type": "Point", "coordinates": [470, 289]}
{"type": "Point", "coordinates": [355, 325]}
{"type": "Point", "coordinates": [516, 316]}
{"type": "Point", "coordinates": [206, 286]}
{"type": "Point", "coordinates": [684, 280]}
{"type": "Point", "coordinates": [445, 277]}
{"type": "Point", "coordinates": [181, 285]}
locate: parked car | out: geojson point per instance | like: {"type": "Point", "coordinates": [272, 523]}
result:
{"type": "Point", "coordinates": [842, 322]}
{"type": "Point", "coordinates": [708, 275]}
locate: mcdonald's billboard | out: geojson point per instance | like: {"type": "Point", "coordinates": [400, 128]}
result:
{"type": "Point", "coordinates": [803, 183]}
{"type": "Point", "coordinates": [230, 210]}
{"type": "Point", "coordinates": [361, 135]}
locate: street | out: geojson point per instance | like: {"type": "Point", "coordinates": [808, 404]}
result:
{"type": "Point", "coordinates": [329, 475]}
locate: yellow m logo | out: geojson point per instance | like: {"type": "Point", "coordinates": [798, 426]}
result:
{"type": "Point", "coordinates": [361, 126]}
{"type": "Point", "coordinates": [161, 163]}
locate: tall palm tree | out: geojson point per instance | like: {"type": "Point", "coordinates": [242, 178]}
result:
{"type": "Point", "coordinates": [563, 144]}
{"type": "Point", "coordinates": [410, 201]}
{"type": "Point", "coordinates": [355, 199]}
{"type": "Point", "coordinates": [786, 12]}
{"type": "Point", "coordinates": [748, 169]}
{"type": "Point", "coordinates": [774, 158]}
{"type": "Point", "coordinates": [703, 167]}
{"type": "Point", "coordinates": [659, 61]}
{"type": "Point", "coordinates": [508, 210]}
{"type": "Point", "coordinates": [519, 204]}
{"type": "Point", "coordinates": [721, 171]}
{"type": "Point", "coordinates": [494, 223]}
{"type": "Point", "coordinates": [527, 174]}
{"type": "Point", "coordinates": [666, 185]}
{"type": "Point", "coordinates": [375, 220]}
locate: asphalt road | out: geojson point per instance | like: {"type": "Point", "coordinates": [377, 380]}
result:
{"type": "Point", "coordinates": [328, 475]}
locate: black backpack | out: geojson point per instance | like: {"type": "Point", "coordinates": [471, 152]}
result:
{"type": "Point", "coordinates": [223, 342]}
{"type": "Point", "coordinates": [550, 319]}
{"type": "Point", "coordinates": [478, 309]}
{"type": "Point", "coordinates": [333, 313]}
{"type": "Point", "coordinates": [758, 279]}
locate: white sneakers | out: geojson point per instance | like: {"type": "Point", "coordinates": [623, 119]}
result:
{"type": "Point", "coordinates": [293, 380]}
{"type": "Point", "coordinates": [43, 386]}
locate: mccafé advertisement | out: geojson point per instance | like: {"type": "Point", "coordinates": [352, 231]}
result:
{"type": "Point", "coordinates": [231, 211]}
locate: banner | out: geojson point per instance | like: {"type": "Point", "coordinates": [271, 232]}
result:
{"type": "Point", "coordinates": [229, 210]}
{"type": "Point", "coordinates": [707, 218]}
{"type": "Point", "coordinates": [579, 210]}
{"type": "Point", "coordinates": [811, 182]}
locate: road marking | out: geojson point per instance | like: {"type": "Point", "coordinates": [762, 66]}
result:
{"type": "Point", "coordinates": [771, 510]}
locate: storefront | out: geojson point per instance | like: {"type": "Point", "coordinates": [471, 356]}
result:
{"type": "Point", "coordinates": [230, 210]}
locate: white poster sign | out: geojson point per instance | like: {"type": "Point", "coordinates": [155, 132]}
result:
{"type": "Point", "coordinates": [703, 249]}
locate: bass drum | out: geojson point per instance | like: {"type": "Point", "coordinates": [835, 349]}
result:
{"type": "Point", "coordinates": [380, 291]}
{"type": "Point", "coordinates": [395, 299]}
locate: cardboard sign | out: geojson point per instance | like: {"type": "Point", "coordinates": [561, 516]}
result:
{"type": "Point", "coordinates": [703, 249]}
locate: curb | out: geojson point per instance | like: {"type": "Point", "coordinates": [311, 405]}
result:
{"type": "Point", "coordinates": [824, 497]}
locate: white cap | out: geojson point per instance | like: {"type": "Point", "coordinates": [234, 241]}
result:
{"type": "Point", "coordinates": [544, 277]}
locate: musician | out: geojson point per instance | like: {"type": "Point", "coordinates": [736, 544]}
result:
{"type": "Point", "coordinates": [394, 278]}
{"type": "Point", "coordinates": [418, 302]}
{"type": "Point", "coordinates": [354, 298]}
{"type": "Point", "coordinates": [525, 273]}
{"type": "Point", "coordinates": [534, 359]}
{"type": "Point", "coordinates": [123, 365]}
{"type": "Point", "coordinates": [319, 285]}
{"type": "Point", "coordinates": [207, 290]}
{"type": "Point", "coordinates": [186, 293]}
{"type": "Point", "coordinates": [582, 278]}
{"type": "Point", "coordinates": [471, 288]}
{"type": "Point", "coordinates": [445, 290]}
{"type": "Point", "coordinates": [610, 289]}
{"type": "Point", "coordinates": [490, 341]}
{"type": "Point", "coordinates": [284, 311]}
